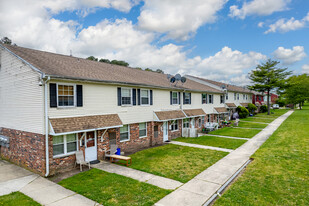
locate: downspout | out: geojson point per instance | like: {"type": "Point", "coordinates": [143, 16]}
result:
{"type": "Point", "coordinates": [46, 128]}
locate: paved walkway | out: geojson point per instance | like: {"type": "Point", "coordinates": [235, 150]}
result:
{"type": "Point", "coordinates": [201, 146]}
{"type": "Point", "coordinates": [198, 190]}
{"type": "Point", "coordinates": [45, 192]}
{"type": "Point", "coordinates": [158, 181]}
{"type": "Point", "coordinates": [227, 137]}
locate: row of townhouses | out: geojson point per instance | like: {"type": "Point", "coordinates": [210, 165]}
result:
{"type": "Point", "coordinates": [52, 105]}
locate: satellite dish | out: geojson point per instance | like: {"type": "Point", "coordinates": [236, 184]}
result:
{"type": "Point", "coordinates": [223, 86]}
{"type": "Point", "coordinates": [168, 76]}
{"type": "Point", "coordinates": [177, 77]}
{"type": "Point", "coordinates": [173, 79]}
{"type": "Point", "coordinates": [183, 79]}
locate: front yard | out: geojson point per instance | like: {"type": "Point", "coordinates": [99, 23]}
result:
{"type": "Point", "coordinates": [251, 125]}
{"type": "Point", "coordinates": [112, 189]}
{"type": "Point", "coordinates": [213, 141]}
{"type": "Point", "coordinates": [17, 198]}
{"type": "Point", "coordinates": [279, 173]}
{"type": "Point", "coordinates": [175, 162]}
{"type": "Point", "coordinates": [236, 132]}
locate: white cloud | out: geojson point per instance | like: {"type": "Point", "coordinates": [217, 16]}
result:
{"type": "Point", "coordinates": [261, 24]}
{"type": "Point", "coordinates": [305, 69]}
{"type": "Point", "coordinates": [283, 25]}
{"type": "Point", "coordinates": [180, 19]}
{"type": "Point", "coordinates": [258, 7]}
{"type": "Point", "coordinates": [290, 56]}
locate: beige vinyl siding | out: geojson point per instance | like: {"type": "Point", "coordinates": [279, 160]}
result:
{"type": "Point", "coordinates": [241, 100]}
{"type": "Point", "coordinates": [21, 98]}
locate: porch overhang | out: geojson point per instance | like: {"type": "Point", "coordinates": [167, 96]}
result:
{"type": "Point", "coordinates": [194, 112]}
{"type": "Point", "coordinates": [244, 104]}
{"type": "Point", "coordinates": [71, 125]}
{"type": "Point", "coordinates": [221, 110]}
{"type": "Point", "coordinates": [168, 115]}
{"type": "Point", "coordinates": [231, 105]}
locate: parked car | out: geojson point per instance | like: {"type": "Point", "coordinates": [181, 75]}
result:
{"type": "Point", "coordinates": [275, 106]}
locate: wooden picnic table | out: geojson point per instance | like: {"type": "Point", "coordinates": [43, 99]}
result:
{"type": "Point", "coordinates": [119, 157]}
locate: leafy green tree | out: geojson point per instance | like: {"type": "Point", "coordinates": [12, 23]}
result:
{"type": "Point", "coordinates": [267, 77]}
{"type": "Point", "coordinates": [242, 112]}
{"type": "Point", "coordinates": [105, 60]}
{"type": "Point", "coordinates": [121, 63]}
{"type": "Point", "coordinates": [92, 58]}
{"type": "Point", "coordinates": [150, 70]}
{"type": "Point", "coordinates": [281, 102]}
{"type": "Point", "coordinates": [6, 40]}
{"type": "Point", "coordinates": [263, 108]}
{"type": "Point", "coordinates": [138, 68]}
{"type": "Point", "coordinates": [251, 108]}
{"type": "Point", "coordinates": [298, 90]}
{"type": "Point", "coordinates": [160, 71]}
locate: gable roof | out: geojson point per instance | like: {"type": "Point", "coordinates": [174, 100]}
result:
{"type": "Point", "coordinates": [69, 67]}
{"type": "Point", "coordinates": [229, 87]}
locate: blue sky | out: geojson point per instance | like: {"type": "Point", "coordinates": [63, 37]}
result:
{"type": "Point", "coordinates": [217, 39]}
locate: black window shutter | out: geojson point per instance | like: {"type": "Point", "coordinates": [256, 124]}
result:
{"type": "Point", "coordinates": [151, 98]}
{"type": "Point", "coordinates": [138, 96]}
{"type": "Point", "coordinates": [119, 95]}
{"type": "Point", "coordinates": [179, 98]}
{"type": "Point", "coordinates": [190, 98]}
{"type": "Point", "coordinates": [184, 98]}
{"type": "Point", "coordinates": [134, 96]}
{"type": "Point", "coordinates": [171, 99]}
{"type": "Point", "coordinates": [79, 92]}
{"type": "Point", "coordinates": [52, 95]}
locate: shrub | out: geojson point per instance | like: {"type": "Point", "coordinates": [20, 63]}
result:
{"type": "Point", "coordinates": [281, 102]}
{"type": "Point", "coordinates": [263, 108]}
{"type": "Point", "coordinates": [251, 108]}
{"type": "Point", "coordinates": [242, 112]}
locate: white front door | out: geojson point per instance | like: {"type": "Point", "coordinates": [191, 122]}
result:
{"type": "Point", "coordinates": [91, 146]}
{"type": "Point", "coordinates": [192, 123]}
{"type": "Point", "coordinates": [165, 131]}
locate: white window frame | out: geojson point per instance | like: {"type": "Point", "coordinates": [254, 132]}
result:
{"type": "Point", "coordinates": [243, 96]}
{"type": "Point", "coordinates": [204, 98]}
{"type": "Point", "coordinates": [74, 92]}
{"type": "Point", "coordinates": [139, 129]}
{"type": "Point", "coordinates": [187, 122]}
{"type": "Point", "coordinates": [189, 98]}
{"type": "Point", "coordinates": [65, 153]}
{"type": "Point", "coordinates": [227, 96]}
{"type": "Point", "coordinates": [237, 96]}
{"type": "Point", "coordinates": [174, 123]}
{"type": "Point", "coordinates": [222, 99]}
{"type": "Point", "coordinates": [147, 97]}
{"type": "Point", "coordinates": [131, 100]}
{"type": "Point", "coordinates": [200, 122]}
{"type": "Point", "coordinates": [173, 98]}
{"type": "Point", "coordinates": [125, 140]}
{"type": "Point", "coordinates": [212, 99]}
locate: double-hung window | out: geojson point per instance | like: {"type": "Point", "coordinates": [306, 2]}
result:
{"type": "Point", "coordinates": [124, 133]}
{"type": "Point", "coordinates": [186, 123]}
{"type": "Point", "coordinates": [175, 98]}
{"type": "Point", "coordinates": [187, 99]}
{"type": "Point", "coordinates": [126, 96]}
{"type": "Point", "coordinates": [237, 96]}
{"type": "Point", "coordinates": [222, 99]}
{"type": "Point", "coordinates": [142, 129]}
{"type": "Point", "coordinates": [227, 96]}
{"type": "Point", "coordinates": [64, 144]}
{"type": "Point", "coordinates": [210, 99]}
{"type": "Point", "coordinates": [243, 96]}
{"type": "Point", "coordinates": [66, 95]}
{"type": "Point", "coordinates": [174, 125]}
{"type": "Point", "coordinates": [234, 96]}
{"type": "Point", "coordinates": [145, 96]}
{"type": "Point", "coordinates": [204, 98]}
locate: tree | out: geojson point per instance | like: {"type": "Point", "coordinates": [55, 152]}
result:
{"type": "Point", "coordinates": [6, 40]}
{"type": "Point", "coordinates": [160, 71]}
{"type": "Point", "coordinates": [105, 60]}
{"type": "Point", "coordinates": [298, 89]}
{"type": "Point", "coordinates": [251, 108]}
{"type": "Point", "coordinates": [242, 112]}
{"type": "Point", "coordinates": [92, 58]}
{"type": "Point", "coordinates": [150, 70]}
{"type": "Point", "coordinates": [267, 77]}
{"type": "Point", "coordinates": [121, 63]}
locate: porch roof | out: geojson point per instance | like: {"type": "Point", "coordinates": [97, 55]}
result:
{"type": "Point", "coordinates": [244, 104]}
{"type": "Point", "coordinates": [194, 112]}
{"type": "Point", "coordinates": [171, 114]}
{"type": "Point", "coordinates": [231, 105]}
{"type": "Point", "coordinates": [83, 123]}
{"type": "Point", "coordinates": [221, 110]}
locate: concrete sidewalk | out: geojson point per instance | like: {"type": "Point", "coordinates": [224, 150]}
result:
{"type": "Point", "coordinates": [158, 181]}
{"type": "Point", "coordinates": [201, 146]}
{"type": "Point", "coordinates": [198, 190]}
{"type": "Point", "coordinates": [45, 192]}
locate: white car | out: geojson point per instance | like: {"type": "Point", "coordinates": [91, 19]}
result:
{"type": "Point", "coordinates": [275, 106]}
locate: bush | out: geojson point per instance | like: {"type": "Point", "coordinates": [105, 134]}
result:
{"type": "Point", "coordinates": [252, 108]}
{"type": "Point", "coordinates": [263, 108]}
{"type": "Point", "coordinates": [281, 102]}
{"type": "Point", "coordinates": [242, 112]}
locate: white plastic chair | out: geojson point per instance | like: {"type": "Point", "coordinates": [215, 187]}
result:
{"type": "Point", "coordinates": [111, 151]}
{"type": "Point", "coordinates": [80, 159]}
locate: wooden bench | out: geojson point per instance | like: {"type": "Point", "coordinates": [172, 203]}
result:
{"type": "Point", "coordinates": [119, 157]}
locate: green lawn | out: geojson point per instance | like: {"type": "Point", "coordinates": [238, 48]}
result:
{"type": "Point", "coordinates": [279, 174]}
{"type": "Point", "coordinates": [112, 189]}
{"type": "Point", "coordinates": [276, 113]}
{"type": "Point", "coordinates": [251, 125]}
{"type": "Point", "coordinates": [175, 162]}
{"type": "Point", "coordinates": [257, 119]}
{"type": "Point", "coordinates": [213, 141]}
{"type": "Point", "coordinates": [236, 132]}
{"type": "Point", "coordinates": [17, 198]}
